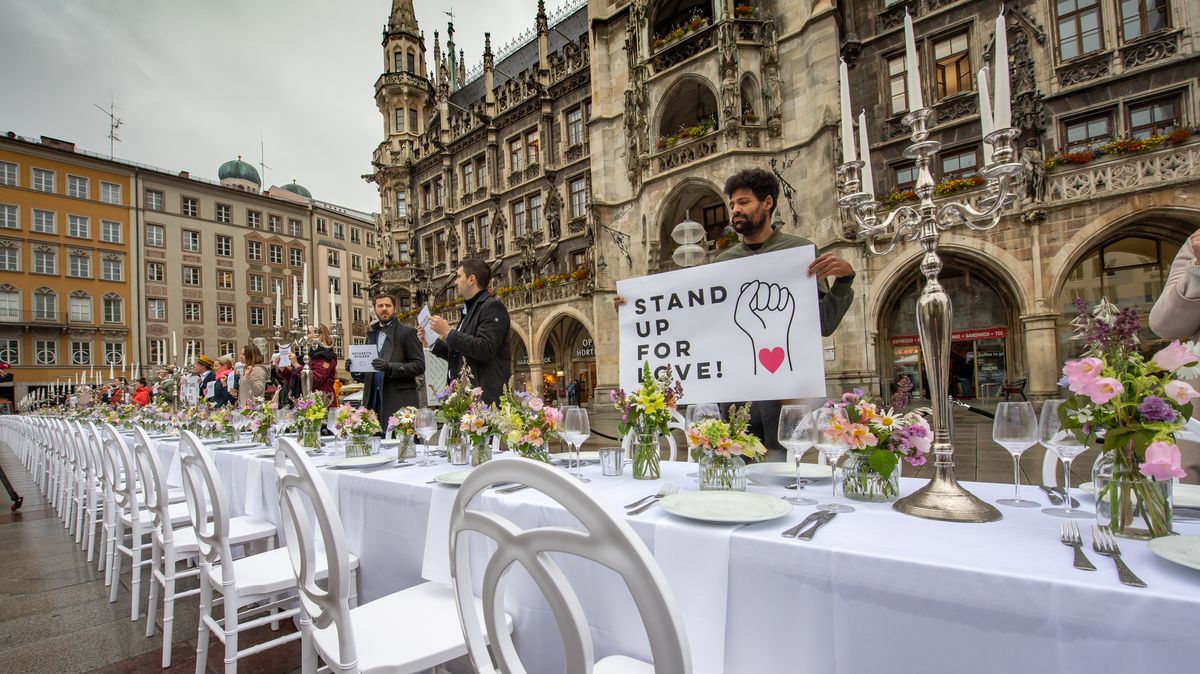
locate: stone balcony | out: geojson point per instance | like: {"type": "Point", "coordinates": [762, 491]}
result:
{"type": "Point", "coordinates": [1120, 174]}
{"type": "Point", "coordinates": [528, 299]}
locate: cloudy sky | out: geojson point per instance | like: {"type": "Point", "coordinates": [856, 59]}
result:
{"type": "Point", "coordinates": [199, 83]}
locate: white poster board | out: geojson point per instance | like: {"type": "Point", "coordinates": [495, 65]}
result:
{"type": "Point", "coordinates": [361, 355]}
{"type": "Point", "coordinates": [745, 329]}
{"type": "Point", "coordinates": [436, 370]}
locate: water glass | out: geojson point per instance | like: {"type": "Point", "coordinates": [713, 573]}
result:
{"type": "Point", "coordinates": [1015, 428]}
{"type": "Point", "coordinates": [1062, 442]}
{"type": "Point", "coordinates": [833, 446]}
{"type": "Point", "coordinates": [426, 426]}
{"type": "Point", "coordinates": [612, 461]}
{"type": "Point", "coordinates": [796, 433]}
{"type": "Point", "coordinates": [576, 431]}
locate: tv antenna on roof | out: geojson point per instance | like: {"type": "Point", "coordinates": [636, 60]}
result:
{"type": "Point", "coordinates": [114, 123]}
{"type": "Point", "coordinates": [262, 166]}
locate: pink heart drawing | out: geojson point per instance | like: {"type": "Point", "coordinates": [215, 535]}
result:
{"type": "Point", "coordinates": [771, 358]}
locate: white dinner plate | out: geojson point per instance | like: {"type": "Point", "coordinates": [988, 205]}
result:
{"type": "Point", "coordinates": [211, 441]}
{"type": "Point", "coordinates": [1181, 494]}
{"type": "Point", "coordinates": [361, 461]}
{"type": "Point", "coordinates": [814, 471]}
{"type": "Point", "coordinates": [728, 507]}
{"type": "Point", "coordinates": [1183, 550]}
{"type": "Point", "coordinates": [456, 478]}
{"type": "Point", "coordinates": [563, 457]}
{"type": "Point", "coordinates": [237, 445]}
{"type": "Point", "coordinates": [782, 473]}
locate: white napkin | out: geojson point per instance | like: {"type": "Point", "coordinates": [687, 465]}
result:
{"type": "Point", "coordinates": [436, 564]}
{"type": "Point", "coordinates": [695, 559]}
{"type": "Point", "coordinates": [254, 488]}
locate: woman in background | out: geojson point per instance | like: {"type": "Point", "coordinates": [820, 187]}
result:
{"type": "Point", "coordinates": [255, 375]}
{"type": "Point", "coordinates": [321, 360]}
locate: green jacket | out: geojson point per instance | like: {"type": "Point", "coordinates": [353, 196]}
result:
{"type": "Point", "coordinates": [832, 301]}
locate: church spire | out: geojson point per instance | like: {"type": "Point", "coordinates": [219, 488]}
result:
{"type": "Point", "coordinates": [403, 19]}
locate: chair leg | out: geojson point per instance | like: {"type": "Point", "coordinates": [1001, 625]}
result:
{"type": "Point", "coordinates": [206, 595]}
{"type": "Point", "coordinates": [230, 601]}
{"type": "Point", "coordinates": [135, 571]}
{"type": "Point", "coordinates": [168, 615]}
{"type": "Point", "coordinates": [114, 561]}
{"type": "Point", "coordinates": [308, 651]}
{"type": "Point", "coordinates": [152, 601]}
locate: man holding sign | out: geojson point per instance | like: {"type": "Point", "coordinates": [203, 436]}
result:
{"type": "Point", "coordinates": [391, 381]}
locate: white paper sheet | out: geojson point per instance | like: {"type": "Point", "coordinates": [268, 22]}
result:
{"type": "Point", "coordinates": [423, 320]}
{"type": "Point", "coordinates": [361, 356]}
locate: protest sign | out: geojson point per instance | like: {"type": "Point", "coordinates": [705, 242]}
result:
{"type": "Point", "coordinates": [745, 329]}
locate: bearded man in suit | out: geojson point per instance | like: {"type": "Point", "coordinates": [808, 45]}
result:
{"type": "Point", "coordinates": [393, 384]}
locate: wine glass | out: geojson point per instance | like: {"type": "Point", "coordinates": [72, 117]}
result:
{"type": "Point", "coordinates": [426, 426]}
{"type": "Point", "coordinates": [833, 446]}
{"type": "Point", "coordinates": [1015, 428]}
{"type": "Point", "coordinates": [796, 433]}
{"type": "Point", "coordinates": [695, 414]}
{"type": "Point", "coordinates": [1062, 442]}
{"type": "Point", "coordinates": [564, 410]}
{"type": "Point", "coordinates": [576, 430]}
{"type": "Point", "coordinates": [331, 424]}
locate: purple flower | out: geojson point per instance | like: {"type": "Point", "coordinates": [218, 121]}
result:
{"type": "Point", "coordinates": [1063, 382]}
{"type": "Point", "coordinates": [1154, 408]}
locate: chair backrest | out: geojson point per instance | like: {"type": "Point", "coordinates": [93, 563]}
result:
{"type": "Point", "coordinates": [604, 539]}
{"type": "Point", "coordinates": [93, 445]}
{"type": "Point", "coordinates": [154, 482]}
{"type": "Point", "coordinates": [304, 501]}
{"type": "Point", "coordinates": [205, 493]}
{"type": "Point", "coordinates": [120, 473]}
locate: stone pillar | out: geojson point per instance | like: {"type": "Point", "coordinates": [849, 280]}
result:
{"type": "Point", "coordinates": [1041, 354]}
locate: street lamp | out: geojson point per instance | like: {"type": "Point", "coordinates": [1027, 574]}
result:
{"type": "Point", "coordinates": [688, 234]}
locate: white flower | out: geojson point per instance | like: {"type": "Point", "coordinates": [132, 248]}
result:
{"type": "Point", "coordinates": [1190, 371]}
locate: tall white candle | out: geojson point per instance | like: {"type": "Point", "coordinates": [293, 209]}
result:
{"type": "Point", "coordinates": [174, 346]}
{"type": "Point", "coordinates": [111, 376]}
{"type": "Point", "coordinates": [847, 115]}
{"type": "Point", "coordinates": [1003, 115]}
{"type": "Point", "coordinates": [332, 304]}
{"type": "Point", "coordinates": [985, 112]}
{"type": "Point", "coordinates": [295, 300]}
{"type": "Point", "coordinates": [316, 315]}
{"type": "Point", "coordinates": [912, 65]}
{"type": "Point", "coordinates": [278, 309]}
{"type": "Point", "coordinates": [305, 277]}
{"type": "Point", "coordinates": [864, 152]}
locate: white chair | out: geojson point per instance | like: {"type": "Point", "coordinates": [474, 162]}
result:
{"type": "Point", "coordinates": [604, 538]}
{"type": "Point", "coordinates": [261, 579]}
{"type": "Point", "coordinates": [408, 631]}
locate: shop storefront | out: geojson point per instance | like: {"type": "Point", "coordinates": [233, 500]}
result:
{"type": "Point", "coordinates": [978, 364]}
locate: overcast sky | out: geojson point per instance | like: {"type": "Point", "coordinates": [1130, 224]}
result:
{"type": "Point", "coordinates": [197, 83]}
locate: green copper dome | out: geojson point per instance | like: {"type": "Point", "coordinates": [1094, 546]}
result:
{"type": "Point", "coordinates": [298, 189]}
{"type": "Point", "coordinates": [238, 170]}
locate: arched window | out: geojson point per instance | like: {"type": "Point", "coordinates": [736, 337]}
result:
{"type": "Point", "coordinates": [80, 309]}
{"type": "Point", "coordinates": [751, 101]}
{"type": "Point", "coordinates": [45, 304]}
{"type": "Point", "coordinates": [675, 20]}
{"type": "Point", "coordinates": [690, 112]}
{"type": "Point", "coordinates": [114, 308]}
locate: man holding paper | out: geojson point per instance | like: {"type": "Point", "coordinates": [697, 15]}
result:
{"type": "Point", "coordinates": [391, 382]}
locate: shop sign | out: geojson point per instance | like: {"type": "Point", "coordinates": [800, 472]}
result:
{"type": "Point", "coordinates": [956, 336]}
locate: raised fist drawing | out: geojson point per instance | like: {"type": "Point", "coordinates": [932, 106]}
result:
{"type": "Point", "coordinates": [764, 312]}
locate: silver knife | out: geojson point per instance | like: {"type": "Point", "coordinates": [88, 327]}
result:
{"type": "Point", "coordinates": [1062, 492]}
{"type": "Point", "coordinates": [1052, 495]}
{"type": "Point", "coordinates": [826, 519]}
{"type": "Point", "coordinates": [791, 533]}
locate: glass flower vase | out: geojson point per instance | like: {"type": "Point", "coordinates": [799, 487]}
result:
{"type": "Point", "coordinates": [481, 452]}
{"type": "Point", "coordinates": [861, 482]}
{"type": "Point", "coordinates": [310, 436]}
{"type": "Point", "coordinates": [406, 448]}
{"type": "Point", "coordinates": [231, 434]}
{"type": "Point", "coordinates": [722, 472]}
{"type": "Point", "coordinates": [535, 452]}
{"type": "Point", "coordinates": [645, 455]}
{"type": "Point", "coordinates": [1130, 504]}
{"type": "Point", "coordinates": [359, 444]}
{"type": "Point", "coordinates": [459, 453]}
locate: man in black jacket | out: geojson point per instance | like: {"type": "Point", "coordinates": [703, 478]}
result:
{"type": "Point", "coordinates": [393, 384]}
{"type": "Point", "coordinates": [481, 339]}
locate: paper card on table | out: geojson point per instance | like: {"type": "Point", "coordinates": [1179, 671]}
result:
{"type": "Point", "coordinates": [423, 320]}
{"type": "Point", "coordinates": [361, 356]}
{"type": "Point", "coordinates": [745, 329]}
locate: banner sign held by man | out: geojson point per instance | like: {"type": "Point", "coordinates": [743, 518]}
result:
{"type": "Point", "coordinates": [745, 329]}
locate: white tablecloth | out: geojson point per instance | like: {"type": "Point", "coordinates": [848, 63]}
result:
{"type": "Point", "coordinates": [876, 591]}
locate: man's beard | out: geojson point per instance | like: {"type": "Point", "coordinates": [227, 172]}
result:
{"type": "Point", "coordinates": [750, 226]}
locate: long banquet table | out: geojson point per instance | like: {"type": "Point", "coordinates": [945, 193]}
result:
{"type": "Point", "coordinates": [875, 591]}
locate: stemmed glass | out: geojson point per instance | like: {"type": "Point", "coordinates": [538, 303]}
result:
{"type": "Point", "coordinates": [331, 424]}
{"type": "Point", "coordinates": [564, 410]}
{"type": "Point", "coordinates": [1062, 442]}
{"type": "Point", "coordinates": [833, 447]}
{"type": "Point", "coordinates": [1015, 428]}
{"type": "Point", "coordinates": [426, 426]}
{"type": "Point", "coordinates": [797, 433]}
{"type": "Point", "coordinates": [576, 430]}
{"type": "Point", "coordinates": [695, 414]}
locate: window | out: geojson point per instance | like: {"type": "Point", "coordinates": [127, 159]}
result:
{"type": "Point", "coordinates": [10, 258]}
{"type": "Point", "coordinates": [412, 63]}
{"type": "Point", "coordinates": [110, 193]}
{"type": "Point", "coordinates": [79, 265]}
{"type": "Point", "coordinates": [426, 191]}
{"type": "Point", "coordinates": [535, 213]}
{"type": "Point", "coordinates": [578, 197]}
{"type": "Point", "coordinates": [225, 279]}
{"type": "Point", "coordinates": [157, 349]}
{"type": "Point", "coordinates": [412, 121]}
{"type": "Point", "coordinates": [8, 174]}
{"type": "Point", "coordinates": [1154, 118]}
{"type": "Point", "coordinates": [45, 262]}
{"type": "Point", "coordinates": [190, 207]}
{"type": "Point", "coordinates": [1083, 133]}
{"type": "Point", "coordinates": [401, 206]}
{"type": "Point", "coordinates": [356, 262]}
{"type": "Point", "coordinates": [191, 276]}
{"type": "Point", "coordinates": [334, 258]}
{"type": "Point", "coordinates": [370, 239]}
{"type": "Point", "coordinates": [192, 312]}
{"type": "Point", "coordinates": [322, 228]}
{"type": "Point", "coordinates": [295, 228]}
{"type": "Point", "coordinates": [485, 240]}
{"type": "Point", "coordinates": [959, 164]}
{"type": "Point", "coordinates": [518, 212]}
{"type": "Point", "coordinates": [397, 61]}
{"type": "Point", "coordinates": [277, 285]}
{"type": "Point", "coordinates": [335, 286]}
{"type": "Point", "coordinates": [110, 232]}
{"type": "Point", "coordinates": [156, 271]}
{"type": "Point", "coordinates": [77, 187]}
{"type": "Point", "coordinates": [898, 85]}
{"type": "Point", "coordinates": [114, 308]}
{"type": "Point", "coordinates": [10, 351]}
{"type": "Point", "coordinates": [111, 269]}
{"type": "Point", "coordinates": [8, 216]}
{"type": "Point", "coordinates": [516, 155]}
{"type": "Point", "coordinates": [906, 177]}
{"type": "Point", "coordinates": [952, 57]}
{"type": "Point", "coordinates": [114, 353]}
{"type": "Point", "coordinates": [468, 177]}
{"type": "Point", "coordinates": [575, 127]}
{"type": "Point", "coordinates": [356, 289]}
{"type": "Point", "coordinates": [225, 346]}
{"type": "Point", "coordinates": [80, 308]}
{"type": "Point", "coordinates": [532, 147]}
{"type": "Point", "coordinates": [256, 315]}
{"type": "Point", "coordinates": [254, 251]}
{"type": "Point", "coordinates": [296, 257]}
{"type": "Point", "coordinates": [225, 314]}
{"type": "Point", "coordinates": [45, 304]}
{"type": "Point", "coordinates": [78, 227]}
{"type": "Point", "coordinates": [81, 353]}
{"type": "Point", "coordinates": [339, 230]}
{"type": "Point", "coordinates": [254, 219]}
{"type": "Point", "coordinates": [355, 235]}
{"type": "Point", "coordinates": [1142, 17]}
{"type": "Point", "coordinates": [154, 200]}
{"type": "Point", "coordinates": [578, 259]}
{"type": "Point", "coordinates": [156, 309]}
{"type": "Point", "coordinates": [192, 346]}
{"type": "Point", "coordinates": [43, 221]}
{"type": "Point", "coordinates": [155, 236]}
{"type": "Point", "coordinates": [43, 180]}
{"type": "Point", "coordinates": [256, 283]}
{"type": "Point", "coordinates": [274, 223]}
{"type": "Point", "coordinates": [224, 213]}
{"type": "Point", "coordinates": [276, 254]}
{"type": "Point", "coordinates": [46, 351]}
{"type": "Point", "coordinates": [358, 314]}
{"type": "Point", "coordinates": [1079, 29]}
{"type": "Point", "coordinates": [399, 120]}
{"type": "Point", "coordinates": [191, 241]}
{"type": "Point", "coordinates": [224, 246]}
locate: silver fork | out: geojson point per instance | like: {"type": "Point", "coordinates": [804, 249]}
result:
{"type": "Point", "coordinates": [1068, 533]}
{"type": "Point", "coordinates": [1104, 543]}
{"type": "Point", "coordinates": [667, 489]}
{"type": "Point", "coordinates": [661, 493]}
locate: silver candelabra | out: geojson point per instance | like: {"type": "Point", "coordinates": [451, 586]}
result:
{"type": "Point", "coordinates": [298, 332]}
{"type": "Point", "coordinates": [943, 498]}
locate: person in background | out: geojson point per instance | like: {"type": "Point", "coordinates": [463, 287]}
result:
{"type": "Point", "coordinates": [164, 388]}
{"type": "Point", "coordinates": [322, 361]}
{"type": "Point", "coordinates": [202, 368]}
{"type": "Point", "coordinates": [400, 360]}
{"type": "Point", "coordinates": [255, 374]}
{"type": "Point", "coordinates": [1176, 315]}
{"type": "Point", "coordinates": [225, 391]}
{"type": "Point", "coordinates": [141, 395]}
